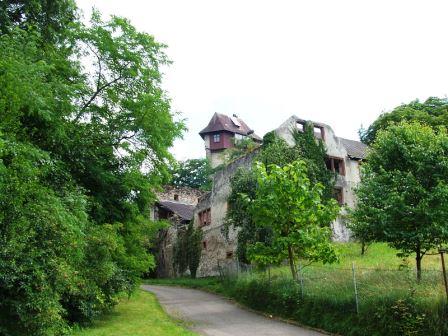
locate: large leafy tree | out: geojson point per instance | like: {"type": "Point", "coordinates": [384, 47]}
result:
{"type": "Point", "coordinates": [403, 195]}
{"type": "Point", "coordinates": [85, 129]}
{"type": "Point", "coordinates": [432, 112]}
{"type": "Point", "coordinates": [275, 151]}
{"type": "Point", "coordinates": [193, 173]}
{"type": "Point", "coordinates": [292, 207]}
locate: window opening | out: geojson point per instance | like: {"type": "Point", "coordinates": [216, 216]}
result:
{"type": "Point", "coordinates": [335, 165]}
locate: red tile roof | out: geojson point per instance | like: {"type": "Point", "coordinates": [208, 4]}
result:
{"type": "Point", "coordinates": [222, 122]}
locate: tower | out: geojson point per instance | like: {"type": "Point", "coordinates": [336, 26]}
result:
{"type": "Point", "coordinates": [221, 133]}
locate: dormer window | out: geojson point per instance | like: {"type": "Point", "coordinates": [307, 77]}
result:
{"type": "Point", "coordinates": [216, 138]}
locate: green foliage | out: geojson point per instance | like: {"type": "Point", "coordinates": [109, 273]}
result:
{"type": "Point", "coordinates": [313, 153]}
{"type": "Point", "coordinates": [276, 151]}
{"type": "Point", "coordinates": [240, 148]}
{"type": "Point", "coordinates": [403, 196]}
{"type": "Point", "coordinates": [286, 202]}
{"type": "Point", "coordinates": [138, 315]}
{"type": "Point", "coordinates": [187, 250]}
{"type": "Point", "coordinates": [193, 173]}
{"type": "Point", "coordinates": [433, 112]}
{"type": "Point", "coordinates": [194, 248]}
{"type": "Point", "coordinates": [391, 302]}
{"type": "Point", "coordinates": [82, 112]}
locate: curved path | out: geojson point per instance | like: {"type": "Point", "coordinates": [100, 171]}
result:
{"type": "Point", "coordinates": [212, 315]}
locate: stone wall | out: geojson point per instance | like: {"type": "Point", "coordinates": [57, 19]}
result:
{"type": "Point", "coordinates": [185, 194]}
{"type": "Point", "coordinates": [217, 248]}
{"type": "Point", "coordinates": [167, 237]}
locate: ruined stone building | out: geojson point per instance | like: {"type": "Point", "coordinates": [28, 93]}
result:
{"type": "Point", "coordinates": [344, 157]}
{"type": "Point", "coordinates": [176, 205]}
{"type": "Point", "coordinates": [208, 210]}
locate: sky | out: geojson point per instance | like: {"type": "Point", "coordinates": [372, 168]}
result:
{"type": "Point", "coordinates": [341, 62]}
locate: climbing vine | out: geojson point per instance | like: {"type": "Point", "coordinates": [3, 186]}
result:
{"type": "Point", "coordinates": [275, 151]}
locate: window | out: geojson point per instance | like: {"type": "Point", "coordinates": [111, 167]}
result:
{"type": "Point", "coordinates": [204, 245]}
{"type": "Point", "coordinates": [335, 165]}
{"type": "Point", "coordinates": [176, 197]}
{"type": "Point", "coordinates": [338, 195]}
{"type": "Point", "coordinates": [216, 137]}
{"type": "Point", "coordinates": [229, 255]}
{"type": "Point", "coordinates": [205, 217]}
{"type": "Point", "coordinates": [239, 136]}
{"type": "Point", "coordinates": [319, 132]}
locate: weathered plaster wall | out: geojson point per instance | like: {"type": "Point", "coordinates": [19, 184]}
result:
{"type": "Point", "coordinates": [347, 182]}
{"type": "Point", "coordinates": [218, 246]}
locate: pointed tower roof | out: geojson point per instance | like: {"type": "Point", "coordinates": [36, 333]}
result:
{"type": "Point", "coordinates": [222, 122]}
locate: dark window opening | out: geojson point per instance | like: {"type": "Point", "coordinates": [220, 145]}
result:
{"type": "Point", "coordinates": [176, 197]}
{"type": "Point", "coordinates": [335, 165]}
{"type": "Point", "coordinates": [338, 195]}
{"type": "Point", "coordinates": [229, 254]}
{"type": "Point", "coordinates": [204, 245]}
{"type": "Point", "coordinates": [216, 137]}
{"type": "Point", "coordinates": [205, 217]}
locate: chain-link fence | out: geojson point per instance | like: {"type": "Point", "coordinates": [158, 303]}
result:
{"type": "Point", "coordinates": [357, 287]}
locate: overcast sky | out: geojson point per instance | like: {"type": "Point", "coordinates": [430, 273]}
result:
{"type": "Point", "coordinates": [338, 62]}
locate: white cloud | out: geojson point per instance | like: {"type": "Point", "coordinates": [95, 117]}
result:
{"type": "Point", "coordinates": [338, 62]}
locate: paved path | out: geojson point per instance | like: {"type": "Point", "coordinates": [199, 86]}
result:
{"type": "Point", "coordinates": [212, 315]}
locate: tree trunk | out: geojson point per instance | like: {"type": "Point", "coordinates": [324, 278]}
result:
{"type": "Point", "coordinates": [291, 262]}
{"type": "Point", "coordinates": [363, 248]}
{"type": "Point", "coordinates": [418, 260]}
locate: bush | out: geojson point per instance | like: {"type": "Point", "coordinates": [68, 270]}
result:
{"type": "Point", "coordinates": [332, 308]}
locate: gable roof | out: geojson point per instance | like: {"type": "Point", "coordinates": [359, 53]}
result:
{"type": "Point", "coordinates": [184, 211]}
{"type": "Point", "coordinates": [222, 122]}
{"type": "Point", "coordinates": [355, 149]}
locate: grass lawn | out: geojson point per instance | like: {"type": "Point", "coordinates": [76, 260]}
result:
{"type": "Point", "coordinates": [139, 316]}
{"type": "Point", "coordinates": [379, 255]}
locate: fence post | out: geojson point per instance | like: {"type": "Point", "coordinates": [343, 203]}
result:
{"type": "Point", "coordinates": [442, 251]}
{"type": "Point", "coordinates": [356, 288]}
{"type": "Point", "coordinates": [237, 267]}
{"type": "Point", "coordinates": [301, 279]}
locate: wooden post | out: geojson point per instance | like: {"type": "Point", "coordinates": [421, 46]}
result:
{"type": "Point", "coordinates": [356, 288]}
{"type": "Point", "coordinates": [301, 279]}
{"type": "Point", "coordinates": [442, 251]}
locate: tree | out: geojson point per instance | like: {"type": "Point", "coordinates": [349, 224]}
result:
{"type": "Point", "coordinates": [403, 194]}
{"type": "Point", "coordinates": [432, 112]}
{"type": "Point", "coordinates": [194, 248]}
{"type": "Point", "coordinates": [85, 129]}
{"type": "Point", "coordinates": [292, 207]}
{"type": "Point", "coordinates": [187, 250]}
{"type": "Point", "coordinates": [275, 150]}
{"type": "Point", "coordinates": [193, 173]}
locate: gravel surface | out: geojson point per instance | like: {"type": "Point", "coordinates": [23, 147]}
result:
{"type": "Point", "coordinates": [212, 315]}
